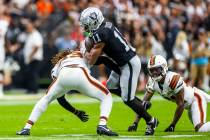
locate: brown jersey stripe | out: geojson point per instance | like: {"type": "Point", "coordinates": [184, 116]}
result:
{"type": "Point", "coordinates": [30, 122]}
{"type": "Point", "coordinates": [103, 117]}
{"type": "Point", "coordinates": [75, 54]}
{"type": "Point", "coordinates": [200, 107]}
{"type": "Point", "coordinates": [50, 86]}
{"type": "Point", "coordinates": [174, 81]}
{"type": "Point", "coordinates": [152, 60]}
{"type": "Point", "coordinates": [103, 89]}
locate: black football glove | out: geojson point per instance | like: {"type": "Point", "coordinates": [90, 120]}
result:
{"type": "Point", "coordinates": [133, 127]}
{"type": "Point", "coordinates": [82, 115]}
{"type": "Point", "coordinates": [146, 104]}
{"type": "Point", "coordinates": [171, 128]}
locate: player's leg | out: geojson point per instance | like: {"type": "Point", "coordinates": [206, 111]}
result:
{"type": "Point", "coordinates": [128, 83]}
{"type": "Point", "coordinates": [198, 110]}
{"type": "Point", "coordinates": [93, 88]}
{"type": "Point", "coordinates": [54, 91]}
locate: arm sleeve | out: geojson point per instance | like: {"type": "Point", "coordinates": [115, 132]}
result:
{"type": "Point", "coordinates": [179, 85]}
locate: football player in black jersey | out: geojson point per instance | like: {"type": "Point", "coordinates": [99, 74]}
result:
{"type": "Point", "coordinates": [109, 41]}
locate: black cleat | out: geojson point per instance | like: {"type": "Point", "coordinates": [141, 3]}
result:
{"type": "Point", "coordinates": [133, 127]}
{"type": "Point", "coordinates": [151, 127]}
{"type": "Point", "coordinates": [104, 130]}
{"type": "Point", "coordinates": [24, 131]}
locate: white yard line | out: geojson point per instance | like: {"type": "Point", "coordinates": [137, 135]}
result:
{"type": "Point", "coordinates": [94, 136]}
{"type": "Point", "coordinates": [128, 136]}
{"type": "Point", "coordinates": [13, 138]}
{"type": "Point", "coordinates": [32, 99]}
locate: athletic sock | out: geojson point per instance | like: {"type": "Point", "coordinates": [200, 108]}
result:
{"type": "Point", "coordinates": [103, 120]}
{"type": "Point", "coordinates": [29, 124]}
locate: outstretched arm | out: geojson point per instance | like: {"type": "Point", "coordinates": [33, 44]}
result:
{"type": "Point", "coordinates": [94, 53]}
{"type": "Point", "coordinates": [179, 98]}
{"type": "Point", "coordinates": [79, 113]}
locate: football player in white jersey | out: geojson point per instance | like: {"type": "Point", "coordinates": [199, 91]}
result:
{"type": "Point", "coordinates": [71, 73]}
{"type": "Point", "coordinates": [4, 23]}
{"type": "Point", "coordinates": [170, 85]}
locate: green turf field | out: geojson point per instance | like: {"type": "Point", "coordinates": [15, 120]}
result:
{"type": "Point", "coordinates": [56, 123]}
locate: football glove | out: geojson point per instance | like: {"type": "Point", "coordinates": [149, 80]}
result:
{"type": "Point", "coordinates": [133, 127]}
{"type": "Point", "coordinates": [170, 128]}
{"type": "Point", "coordinates": [82, 115]}
{"type": "Point", "coordinates": [146, 104]}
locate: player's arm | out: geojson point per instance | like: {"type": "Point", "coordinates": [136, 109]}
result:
{"type": "Point", "coordinates": [109, 63]}
{"type": "Point", "coordinates": [95, 52]}
{"type": "Point", "coordinates": [179, 98]}
{"type": "Point", "coordinates": [79, 113]}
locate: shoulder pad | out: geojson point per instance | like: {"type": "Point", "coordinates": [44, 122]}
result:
{"type": "Point", "coordinates": [108, 25]}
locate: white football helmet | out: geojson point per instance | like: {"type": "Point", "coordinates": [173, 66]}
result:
{"type": "Point", "coordinates": [91, 18]}
{"type": "Point", "coordinates": [157, 67]}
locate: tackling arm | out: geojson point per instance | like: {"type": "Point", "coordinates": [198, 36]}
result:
{"type": "Point", "coordinates": [95, 52]}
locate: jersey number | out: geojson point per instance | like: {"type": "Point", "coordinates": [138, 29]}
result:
{"type": "Point", "coordinates": [96, 38]}
{"type": "Point", "coordinates": [118, 35]}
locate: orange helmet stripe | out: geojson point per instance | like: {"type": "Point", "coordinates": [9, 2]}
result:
{"type": "Point", "coordinates": [152, 60]}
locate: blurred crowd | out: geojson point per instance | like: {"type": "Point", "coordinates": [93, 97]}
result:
{"type": "Point", "coordinates": [37, 29]}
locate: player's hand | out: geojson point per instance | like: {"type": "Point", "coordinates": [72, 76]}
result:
{"type": "Point", "coordinates": [146, 104]}
{"type": "Point", "coordinates": [82, 115]}
{"type": "Point", "coordinates": [170, 128]}
{"type": "Point", "coordinates": [133, 127]}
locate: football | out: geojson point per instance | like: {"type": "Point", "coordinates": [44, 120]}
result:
{"type": "Point", "coordinates": [88, 43]}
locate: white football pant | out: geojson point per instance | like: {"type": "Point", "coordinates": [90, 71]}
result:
{"type": "Point", "coordinates": [74, 79]}
{"type": "Point", "coordinates": [197, 112]}
{"type": "Point", "coordinates": [128, 79]}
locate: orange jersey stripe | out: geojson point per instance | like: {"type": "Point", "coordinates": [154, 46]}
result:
{"type": "Point", "coordinates": [152, 60]}
{"type": "Point", "coordinates": [200, 106]}
{"type": "Point", "coordinates": [103, 89]}
{"type": "Point", "coordinates": [174, 81]}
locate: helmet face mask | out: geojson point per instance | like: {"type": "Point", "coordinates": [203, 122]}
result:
{"type": "Point", "coordinates": [157, 67]}
{"type": "Point", "coordinates": [91, 18]}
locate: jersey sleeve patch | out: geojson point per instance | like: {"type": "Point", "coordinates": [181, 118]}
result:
{"type": "Point", "coordinates": [174, 81]}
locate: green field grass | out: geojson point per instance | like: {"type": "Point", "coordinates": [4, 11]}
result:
{"type": "Point", "coordinates": [56, 123]}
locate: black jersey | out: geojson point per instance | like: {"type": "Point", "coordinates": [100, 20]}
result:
{"type": "Point", "coordinates": [116, 47]}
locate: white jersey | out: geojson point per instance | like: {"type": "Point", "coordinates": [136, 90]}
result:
{"type": "Point", "coordinates": [172, 85]}
{"type": "Point", "coordinates": [74, 58]}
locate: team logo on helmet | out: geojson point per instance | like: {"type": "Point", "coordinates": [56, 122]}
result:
{"type": "Point", "coordinates": [93, 16]}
